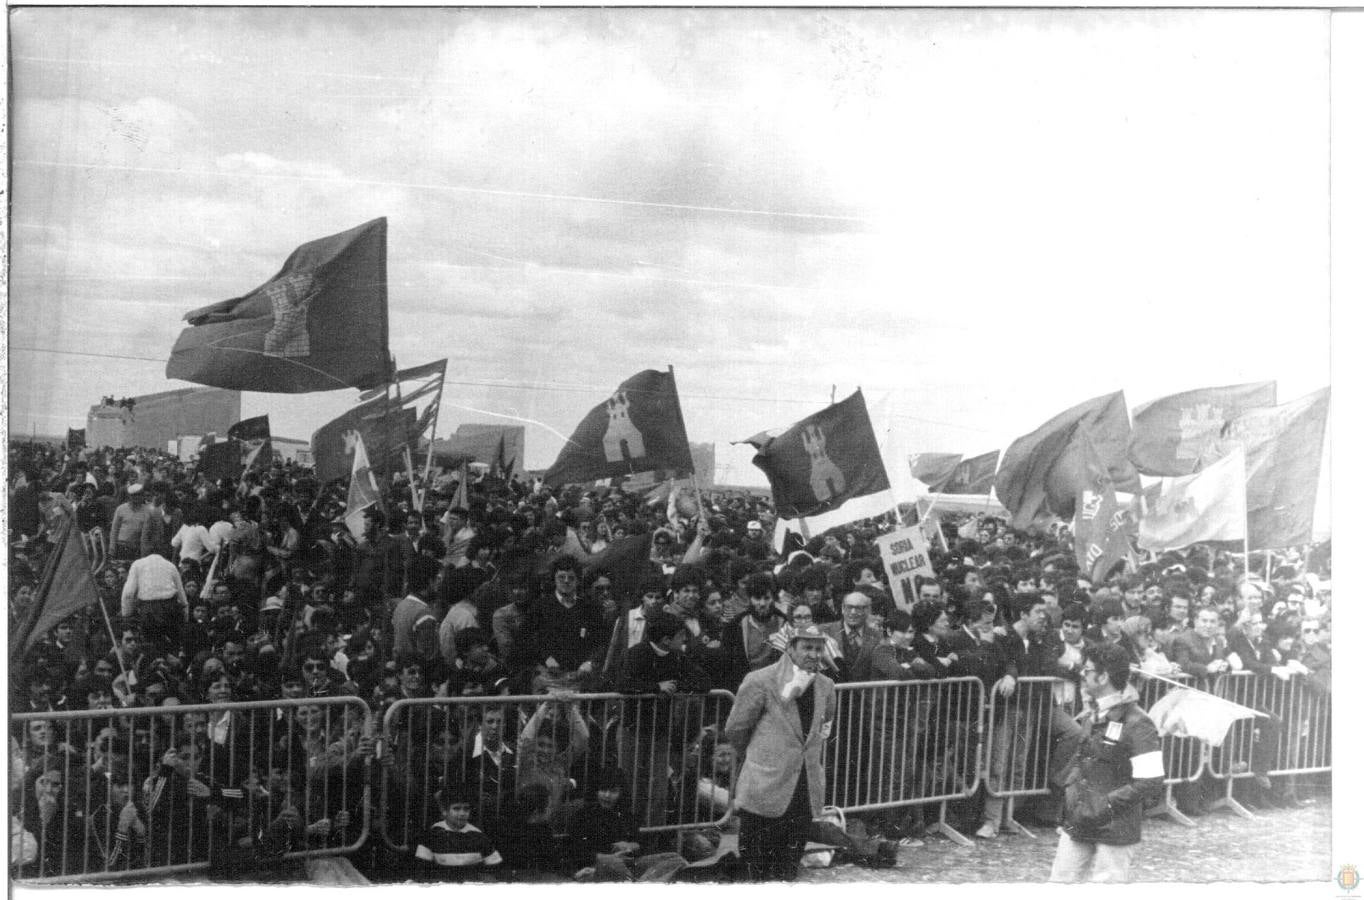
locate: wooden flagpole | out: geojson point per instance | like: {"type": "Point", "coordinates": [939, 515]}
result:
{"type": "Point", "coordinates": [407, 448]}
{"type": "Point", "coordinates": [431, 443]}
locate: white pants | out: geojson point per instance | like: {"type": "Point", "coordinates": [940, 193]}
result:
{"type": "Point", "coordinates": [1083, 861]}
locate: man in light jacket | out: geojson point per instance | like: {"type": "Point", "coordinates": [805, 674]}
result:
{"type": "Point", "coordinates": [782, 715]}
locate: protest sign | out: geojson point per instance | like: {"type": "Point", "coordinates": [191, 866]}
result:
{"type": "Point", "coordinates": [905, 556]}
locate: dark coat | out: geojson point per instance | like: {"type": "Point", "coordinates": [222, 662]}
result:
{"type": "Point", "coordinates": [1104, 798]}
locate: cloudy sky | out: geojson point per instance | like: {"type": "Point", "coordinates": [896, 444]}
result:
{"type": "Point", "coordinates": [980, 217]}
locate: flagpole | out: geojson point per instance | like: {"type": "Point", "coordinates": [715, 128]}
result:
{"type": "Point", "coordinates": [407, 449]}
{"type": "Point", "coordinates": [113, 642]}
{"type": "Point", "coordinates": [431, 443]}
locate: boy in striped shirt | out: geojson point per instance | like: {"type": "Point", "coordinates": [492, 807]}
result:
{"type": "Point", "coordinates": [454, 847]}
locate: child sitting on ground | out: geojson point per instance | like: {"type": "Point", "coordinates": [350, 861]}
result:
{"type": "Point", "coordinates": [454, 847]}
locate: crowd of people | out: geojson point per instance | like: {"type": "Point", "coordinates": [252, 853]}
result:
{"type": "Point", "coordinates": [257, 590]}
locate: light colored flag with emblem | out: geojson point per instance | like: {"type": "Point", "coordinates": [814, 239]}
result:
{"type": "Point", "coordinates": [1283, 447]}
{"type": "Point", "coordinates": [1208, 506]}
{"type": "Point", "coordinates": [1171, 435]}
{"type": "Point", "coordinates": [364, 490]}
{"type": "Point", "coordinates": [1188, 712]}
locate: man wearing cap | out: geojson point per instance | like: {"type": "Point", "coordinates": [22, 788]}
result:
{"type": "Point", "coordinates": [129, 526]}
{"type": "Point", "coordinates": [782, 715]}
{"type": "Point", "coordinates": [753, 544]}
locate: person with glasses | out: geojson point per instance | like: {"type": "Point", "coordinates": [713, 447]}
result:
{"type": "Point", "coordinates": [1117, 768]}
{"type": "Point", "coordinates": [853, 639]}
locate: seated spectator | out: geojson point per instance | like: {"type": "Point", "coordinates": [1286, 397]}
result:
{"type": "Point", "coordinates": [454, 847]}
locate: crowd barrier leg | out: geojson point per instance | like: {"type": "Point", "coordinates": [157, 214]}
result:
{"type": "Point", "coordinates": [1168, 807]}
{"type": "Point", "coordinates": [1010, 825]}
{"type": "Point", "coordinates": [1227, 801]}
{"type": "Point", "coordinates": [943, 828]}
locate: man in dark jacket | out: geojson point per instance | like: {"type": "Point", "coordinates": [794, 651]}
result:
{"type": "Point", "coordinates": [653, 733]}
{"type": "Point", "coordinates": [566, 628]}
{"type": "Point", "coordinates": [1117, 768]}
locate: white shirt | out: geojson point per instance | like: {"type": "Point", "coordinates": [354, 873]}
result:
{"type": "Point", "coordinates": [192, 541]}
{"type": "Point", "coordinates": [152, 577]}
{"type": "Point", "coordinates": [634, 621]}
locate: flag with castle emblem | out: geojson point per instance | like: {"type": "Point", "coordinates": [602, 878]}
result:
{"type": "Point", "coordinates": [1283, 447]}
{"type": "Point", "coordinates": [1169, 435]}
{"type": "Point", "coordinates": [933, 469]}
{"type": "Point", "coordinates": [637, 429]}
{"type": "Point", "coordinates": [973, 476]}
{"type": "Point", "coordinates": [1102, 525]}
{"type": "Point", "coordinates": [822, 461]}
{"type": "Point", "coordinates": [1042, 472]}
{"type": "Point", "coordinates": [319, 325]}
{"type": "Point", "coordinates": [1207, 506]}
{"type": "Point", "coordinates": [364, 489]}
{"type": "Point", "coordinates": [386, 426]}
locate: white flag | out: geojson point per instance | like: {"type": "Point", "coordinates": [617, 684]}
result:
{"type": "Point", "coordinates": [364, 491]}
{"type": "Point", "coordinates": [1208, 506]}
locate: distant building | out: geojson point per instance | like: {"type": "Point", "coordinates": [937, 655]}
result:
{"type": "Point", "coordinates": [154, 420]}
{"type": "Point", "coordinates": [292, 450]}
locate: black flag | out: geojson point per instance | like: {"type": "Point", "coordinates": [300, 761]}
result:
{"type": "Point", "coordinates": [822, 461]}
{"type": "Point", "coordinates": [637, 429]}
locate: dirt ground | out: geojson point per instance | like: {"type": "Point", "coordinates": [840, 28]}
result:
{"type": "Point", "coordinates": [1279, 845]}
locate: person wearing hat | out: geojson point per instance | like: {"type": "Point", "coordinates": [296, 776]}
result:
{"type": "Point", "coordinates": [781, 717]}
{"type": "Point", "coordinates": [754, 544]}
{"type": "Point", "coordinates": [130, 525]}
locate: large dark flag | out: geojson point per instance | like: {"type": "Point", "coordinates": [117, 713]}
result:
{"type": "Point", "coordinates": [637, 429]}
{"type": "Point", "coordinates": [75, 438]}
{"type": "Point", "coordinates": [221, 459]}
{"type": "Point", "coordinates": [319, 325]}
{"type": "Point", "coordinates": [385, 426]}
{"type": "Point", "coordinates": [67, 587]}
{"type": "Point", "coordinates": [1283, 464]}
{"type": "Point", "coordinates": [1171, 434]}
{"type": "Point", "coordinates": [973, 476]}
{"type": "Point", "coordinates": [822, 461]}
{"type": "Point", "coordinates": [1042, 472]}
{"type": "Point", "coordinates": [253, 435]}
{"type": "Point", "coordinates": [933, 469]}
{"type": "Point", "coordinates": [1103, 529]}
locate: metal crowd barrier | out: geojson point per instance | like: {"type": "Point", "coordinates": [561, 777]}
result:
{"type": "Point", "coordinates": [205, 782]}
{"type": "Point", "coordinates": [1303, 715]}
{"type": "Point", "coordinates": [491, 748]}
{"type": "Point", "coordinates": [1185, 758]}
{"type": "Point", "coordinates": [904, 743]}
{"type": "Point", "coordinates": [1018, 758]}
